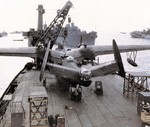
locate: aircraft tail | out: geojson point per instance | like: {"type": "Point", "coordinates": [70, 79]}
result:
{"type": "Point", "coordinates": [118, 59]}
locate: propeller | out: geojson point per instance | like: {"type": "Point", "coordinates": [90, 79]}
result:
{"type": "Point", "coordinates": [44, 61]}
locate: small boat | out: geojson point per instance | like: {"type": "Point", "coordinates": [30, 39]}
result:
{"type": "Point", "coordinates": [2, 34]}
{"type": "Point", "coordinates": [18, 40]}
{"type": "Point", "coordinates": [145, 34]}
{"type": "Point", "coordinates": [123, 32]}
{"type": "Point", "coordinates": [16, 32]}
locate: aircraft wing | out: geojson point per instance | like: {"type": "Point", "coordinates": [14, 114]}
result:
{"type": "Point", "coordinates": [20, 51]}
{"type": "Point", "coordinates": [91, 51]}
{"type": "Point", "coordinates": [97, 70]}
{"type": "Point", "coordinates": [101, 50]}
{"type": "Point", "coordinates": [79, 54]}
{"type": "Point", "coordinates": [54, 55]}
{"type": "Point", "coordinates": [63, 71]}
{"type": "Point", "coordinates": [104, 69]}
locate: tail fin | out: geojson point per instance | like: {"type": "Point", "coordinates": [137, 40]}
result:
{"type": "Point", "coordinates": [118, 59]}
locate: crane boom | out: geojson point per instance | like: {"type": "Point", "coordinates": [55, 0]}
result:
{"type": "Point", "coordinates": [54, 28]}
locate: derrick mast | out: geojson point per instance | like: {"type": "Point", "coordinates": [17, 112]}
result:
{"type": "Point", "coordinates": [42, 37]}
{"type": "Point", "coordinates": [41, 11]}
{"type": "Point", "coordinates": [52, 31]}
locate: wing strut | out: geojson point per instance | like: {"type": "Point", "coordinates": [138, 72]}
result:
{"type": "Point", "coordinates": [131, 57]}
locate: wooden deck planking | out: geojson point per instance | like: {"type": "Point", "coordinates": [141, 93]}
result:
{"type": "Point", "coordinates": [82, 114]}
{"type": "Point", "coordinates": [117, 95]}
{"type": "Point", "coordinates": [113, 117]}
{"type": "Point", "coordinates": [71, 116]}
{"type": "Point", "coordinates": [50, 103]}
{"type": "Point", "coordinates": [117, 83]}
{"type": "Point", "coordinates": [58, 107]}
{"type": "Point", "coordinates": [111, 114]}
{"type": "Point", "coordinates": [110, 110]}
{"type": "Point", "coordinates": [96, 117]}
{"type": "Point", "coordinates": [123, 104]}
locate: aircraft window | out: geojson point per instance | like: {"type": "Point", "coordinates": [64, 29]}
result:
{"type": "Point", "coordinates": [70, 59]}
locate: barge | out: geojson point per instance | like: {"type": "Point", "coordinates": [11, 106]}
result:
{"type": "Point", "coordinates": [113, 109]}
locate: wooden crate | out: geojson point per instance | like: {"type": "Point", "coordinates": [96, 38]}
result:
{"type": "Point", "coordinates": [38, 100]}
{"type": "Point", "coordinates": [61, 121]}
{"type": "Point", "coordinates": [143, 99]}
{"type": "Point", "coordinates": [145, 117]}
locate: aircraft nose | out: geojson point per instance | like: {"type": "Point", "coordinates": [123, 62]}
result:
{"type": "Point", "coordinates": [85, 74]}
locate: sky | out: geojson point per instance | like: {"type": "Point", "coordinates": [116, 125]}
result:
{"type": "Point", "coordinates": [89, 15]}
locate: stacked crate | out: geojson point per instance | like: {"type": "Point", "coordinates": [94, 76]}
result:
{"type": "Point", "coordinates": [38, 100]}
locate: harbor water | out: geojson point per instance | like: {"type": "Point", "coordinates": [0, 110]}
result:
{"type": "Point", "coordinates": [10, 66]}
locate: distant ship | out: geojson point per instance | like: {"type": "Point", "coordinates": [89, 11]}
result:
{"type": "Point", "coordinates": [72, 36]}
{"type": "Point", "coordinates": [2, 34]}
{"type": "Point", "coordinates": [16, 32]}
{"type": "Point", "coordinates": [141, 34]}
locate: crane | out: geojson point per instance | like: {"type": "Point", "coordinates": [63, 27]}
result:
{"type": "Point", "coordinates": [50, 34]}
{"type": "Point", "coordinates": [52, 31]}
{"type": "Point", "coordinates": [45, 39]}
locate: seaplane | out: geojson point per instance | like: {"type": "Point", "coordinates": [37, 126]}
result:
{"type": "Point", "coordinates": [76, 66]}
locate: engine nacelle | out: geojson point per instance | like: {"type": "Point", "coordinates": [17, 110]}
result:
{"type": "Point", "coordinates": [85, 74]}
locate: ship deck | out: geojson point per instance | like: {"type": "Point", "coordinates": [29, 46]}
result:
{"type": "Point", "coordinates": [112, 109]}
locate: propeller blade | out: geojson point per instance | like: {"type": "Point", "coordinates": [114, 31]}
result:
{"type": "Point", "coordinates": [44, 62]}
